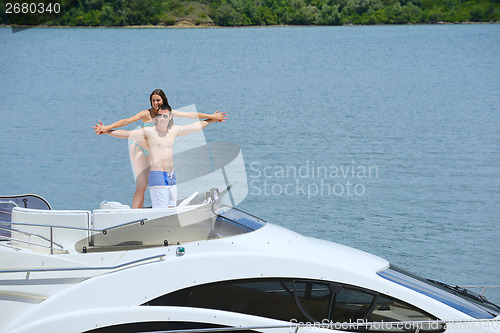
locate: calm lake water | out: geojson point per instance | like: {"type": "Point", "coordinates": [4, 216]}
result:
{"type": "Point", "coordinates": [382, 138]}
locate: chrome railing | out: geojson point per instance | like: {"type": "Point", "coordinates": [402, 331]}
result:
{"type": "Point", "coordinates": [483, 287]}
{"type": "Point", "coordinates": [94, 268]}
{"type": "Point", "coordinates": [31, 243]}
{"type": "Point", "coordinates": [103, 230]}
{"type": "Point", "coordinates": [27, 233]}
{"type": "Point", "coordinates": [9, 202]}
{"type": "Point", "coordinates": [51, 231]}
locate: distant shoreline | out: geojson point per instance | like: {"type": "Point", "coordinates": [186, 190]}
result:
{"type": "Point", "coordinates": [189, 25]}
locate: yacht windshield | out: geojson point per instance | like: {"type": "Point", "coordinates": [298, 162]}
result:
{"type": "Point", "coordinates": [458, 298]}
{"type": "Point", "coordinates": [231, 220]}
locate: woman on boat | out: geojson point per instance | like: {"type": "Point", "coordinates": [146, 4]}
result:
{"type": "Point", "coordinates": [139, 151]}
{"type": "Point", "coordinates": [162, 180]}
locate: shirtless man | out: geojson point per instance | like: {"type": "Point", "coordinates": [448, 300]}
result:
{"type": "Point", "coordinates": [160, 139]}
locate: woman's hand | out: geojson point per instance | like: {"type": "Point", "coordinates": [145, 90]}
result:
{"type": "Point", "coordinates": [100, 128]}
{"type": "Point", "coordinates": [219, 116]}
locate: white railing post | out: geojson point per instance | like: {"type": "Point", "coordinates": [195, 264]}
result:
{"type": "Point", "coordinates": [51, 241]}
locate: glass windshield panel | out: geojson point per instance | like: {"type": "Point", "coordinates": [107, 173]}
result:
{"type": "Point", "coordinates": [7, 203]}
{"type": "Point", "coordinates": [232, 221]}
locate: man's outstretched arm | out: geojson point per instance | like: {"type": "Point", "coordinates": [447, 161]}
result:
{"type": "Point", "coordinates": [123, 134]}
{"type": "Point", "coordinates": [194, 127]}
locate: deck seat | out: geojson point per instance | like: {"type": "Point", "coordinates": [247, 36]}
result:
{"type": "Point", "coordinates": [65, 237]}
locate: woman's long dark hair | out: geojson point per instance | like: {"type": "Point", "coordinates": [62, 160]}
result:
{"type": "Point", "coordinates": [160, 93]}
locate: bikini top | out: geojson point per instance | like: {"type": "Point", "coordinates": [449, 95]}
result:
{"type": "Point", "coordinates": [149, 123]}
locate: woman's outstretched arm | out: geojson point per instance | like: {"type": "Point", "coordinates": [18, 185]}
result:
{"type": "Point", "coordinates": [216, 116]}
{"type": "Point", "coordinates": [102, 129]}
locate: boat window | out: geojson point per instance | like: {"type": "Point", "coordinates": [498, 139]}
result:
{"type": "Point", "coordinates": [299, 300]}
{"type": "Point", "coordinates": [313, 299]}
{"type": "Point", "coordinates": [391, 310]}
{"type": "Point", "coordinates": [456, 297]}
{"type": "Point", "coordinates": [265, 298]}
{"type": "Point", "coordinates": [352, 305]}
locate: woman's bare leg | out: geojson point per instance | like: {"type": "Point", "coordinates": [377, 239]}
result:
{"type": "Point", "coordinates": [138, 198]}
{"type": "Point", "coordinates": [142, 168]}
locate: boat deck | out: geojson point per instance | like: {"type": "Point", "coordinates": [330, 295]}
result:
{"type": "Point", "coordinates": [119, 229]}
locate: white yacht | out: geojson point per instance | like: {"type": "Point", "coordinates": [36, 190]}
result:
{"type": "Point", "coordinates": [206, 267]}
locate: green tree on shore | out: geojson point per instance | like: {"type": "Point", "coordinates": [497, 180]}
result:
{"type": "Point", "coordinates": [272, 12]}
